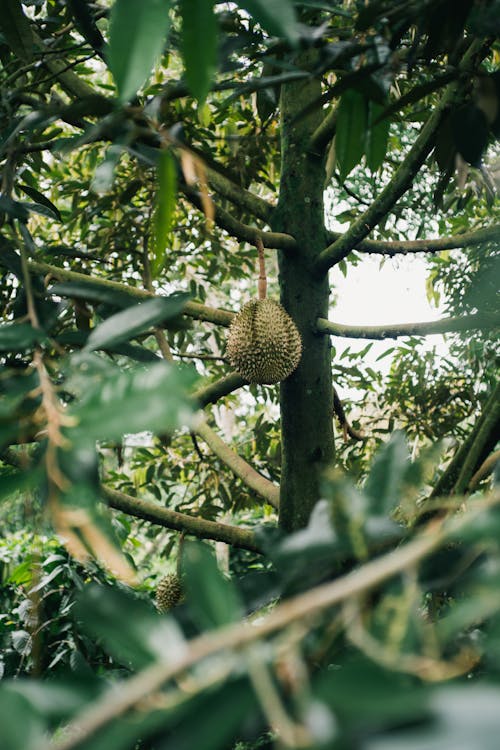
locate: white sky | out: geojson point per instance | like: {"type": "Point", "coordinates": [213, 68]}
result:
{"type": "Point", "coordinates": [371, 294]}
{"type": "Point", "coordinates": [374, 295]}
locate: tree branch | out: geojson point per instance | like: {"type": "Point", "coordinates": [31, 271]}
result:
{"type": "Point", "coordinates": [400, 182]}
{"type": "Point", "coordinates": [454, 472]}
{"type": "Point", "coordinates": [191, 309]}
{"type": "Point", "coordinates": [299, 608]}
{"type": "Point", "coordinates": [262, 486]}
{"type": "Point", "coordinates": [242, 232]}
{"type": "Point", "coordinates": [324, 132]}
{"type": "Point", "coordinates": [390, 247]}
{"type": "Point", "coordinates": [447, 325]}
{"type": "Point", "coordinates": [245, 199]}
{"type": "Point", "coordinates": [487, 430]}
{"type": "Point", "coordinates": [69, 81]}
{"type": "Point", "coordinates": [211, 393]}
{"type": "Point", "coordinates": [487, 467]}
{"type": "Point", "coordinates": [171, 519]}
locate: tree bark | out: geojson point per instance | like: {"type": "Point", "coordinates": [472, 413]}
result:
{"type": "Point", "coordinates": [306, 396]}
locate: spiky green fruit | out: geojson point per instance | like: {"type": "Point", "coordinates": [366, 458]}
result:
{"type": "Point", "coordinates": [263, 343]}
{"type": "Point", "coordinates": [168, 592]}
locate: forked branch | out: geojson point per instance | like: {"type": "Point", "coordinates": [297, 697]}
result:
{"type": "Point", "coordinates": [399, 184]}
{"type": "Point", "coordinates": [255, 481]}
{"type": "Point", "coordinates": [408, 247]}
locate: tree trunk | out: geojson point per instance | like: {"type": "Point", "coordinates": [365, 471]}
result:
{"type": "Point", "coordinates": [306, 396]}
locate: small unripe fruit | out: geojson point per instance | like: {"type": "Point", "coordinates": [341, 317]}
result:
{"type": "Point", "coordinates": [168, 592]}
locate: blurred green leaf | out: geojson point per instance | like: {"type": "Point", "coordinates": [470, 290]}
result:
{"type": "Point", "coordinates": [142, 636]}
{"type": "Point", "coordinates": [385, 480]}
{"type": "Point", "coordinates": [18, 337]}
{"type": "Point", "coordinates": [154, 399]}
{"type": "Point", "coordinates": [105, 171]}
{"type": "Point", "coordinates": [13, 208]}
{"type": "Point", "coordinates": [17, 30]}
{"type": "Point", "coordinates": [56, 700]}
{"type": "Point", "coordinates": [17, 481]}
{"type": "Point", "coordinates": [210, 730]}
{"type": "Point", "coordinates": [174, 728]}
{"type": "Point", "coordinates": [464, 718]}
{"type": "Point", "coordinates": [134, 320]}
{"type": "Point", "coordinates": [137, 35]}
{"type": "Point", "coordinates": [199, 45]}
{"type": "Point", "coordinates": [377, 137]}
{"type": "Point", "coordinates": [96, 293]}
{"type": "Point", "coordinates": [21, 726]}
{"type": "Point", "coordinates": [277, 18]}
{"type": "Point", "coordinates": [212, 597]}
{"type": "Point", "coordinates": [351, 131]}
{"type": "Point", "coordinates": [361, 692]}
{"type": "Point", "coordinates": [164, 211]}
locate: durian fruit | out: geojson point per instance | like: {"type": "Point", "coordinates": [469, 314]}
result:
{"type": "Point", "coordinates": [168, 592]}
{"type": "Point", "coordinates": [263, 343]}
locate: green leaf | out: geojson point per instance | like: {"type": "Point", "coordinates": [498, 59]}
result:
{"type": "Point", "coordinates": [212, 597]}
{"type": "Point", "coordinates": [165, 205]}
{"type": "Point", "coordinates": [209, 731]}
{"type": "Point", "coordinates": [128, 323]}
{"type": "Point", "coordinates": [137, 35]}
{"type": "Point", "coordinates": [141, 638]}
{"type": "Point", "coordinates": [17, 30]}
{"type": "Point", "coordinates": [42, 200]}
{"type": "Point", "coordinates": [199, 45]}
{"type": "Point", "coordinates": [464, 717]}
{"type": "Point", "coordinates": [186, 724]}
{"type": "Point", "coordinates": [104, 174]}
{"type": "Point", "coordinates": [13, 208]}
{"type": "Point", "coordinates": [16, 481]}
{"type": "Point", "coordinates": [377, 137]}
{"type": "Point", "coordinates": [18, 337]}
{"type": "Point", "coordinates": [359, 688]}
{"type": "Point", "coordinates": [277, 17]}
{"type": "Point", "coordinates": [22, 727]}
{"type": "Point", "coordinates": [127, 402]}
{"type": "Point", "coordinates": [56, 700]}
{"type": "Point", "coordinates": [351, 129]}
{"type": "Point", "coordinates": [96, 293]}
{"type": "Point", "coordinates": [385, 480]}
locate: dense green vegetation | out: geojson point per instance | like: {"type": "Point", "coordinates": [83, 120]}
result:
{"type": "Point", "coordinates": [336, 537]}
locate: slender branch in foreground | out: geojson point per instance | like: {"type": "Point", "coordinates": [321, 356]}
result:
{"type": "Point", "coordinates": [302, 607]}
{"type": "Point", "coordinates": [394, 247]}
{"type": "Point", "coordinates": [191, 309]}
{"type": "Point", "coordinates": [242, 232]}
{"type": "Point", "coordinates": [236, 536]}
{"type": "Point", "coordinates": [211, 393]}
{"type": "Point", "coordinates": [262, 486]}
{"type": "Point", "coordinates": [447, 325]}
{"type": "Point", "coordinates": [399, 184]}
{"type": "Point", "coordinates": [245, 199]}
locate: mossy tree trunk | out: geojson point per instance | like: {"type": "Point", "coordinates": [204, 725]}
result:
{"type": "Point", "coordinates": [306, 396]}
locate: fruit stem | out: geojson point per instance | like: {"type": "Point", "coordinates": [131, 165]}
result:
{"type": "Point", "coordinates": [262, 285]}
